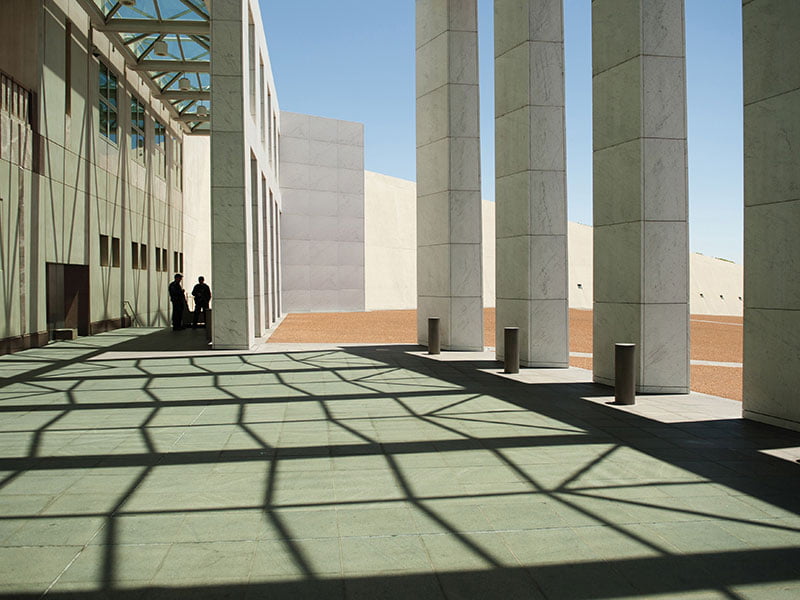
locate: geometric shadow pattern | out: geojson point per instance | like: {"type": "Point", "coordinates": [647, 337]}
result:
{"type": "Point", "coordinates": [371, 472]}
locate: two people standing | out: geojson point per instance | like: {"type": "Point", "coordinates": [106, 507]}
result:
{"type": "Point", "coordinates": [202, 297]}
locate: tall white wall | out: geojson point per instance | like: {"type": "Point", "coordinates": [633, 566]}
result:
{"type": "Point", "coordinates": [196, 211]}
{"type": "Point", "coordinates": [322, 236]}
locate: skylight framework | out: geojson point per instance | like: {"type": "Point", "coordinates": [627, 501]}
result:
{"type": "Point", "coordinates": [167, 41]}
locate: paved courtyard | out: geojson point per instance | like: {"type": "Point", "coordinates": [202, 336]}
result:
{"type": "Point", "coordinates": [137, 464]}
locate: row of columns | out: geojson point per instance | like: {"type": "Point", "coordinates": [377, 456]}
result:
{"type": "Point", "coordinates": [640, 205]}
{"type": "Point", "coordinates": [641, 251]}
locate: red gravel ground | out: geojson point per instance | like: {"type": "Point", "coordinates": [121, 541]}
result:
{"type": "Point", "coordinates": [714, 338]}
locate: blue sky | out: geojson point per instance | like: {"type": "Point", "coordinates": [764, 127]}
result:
{"type": "Point", "coordinates": [354, 60]}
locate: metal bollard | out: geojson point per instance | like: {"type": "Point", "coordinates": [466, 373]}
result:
{"type": "Point", "coordinates": [511, 349]}
{"type": "Point", "coordinates": [625, 373]}
{"type": "Point", "coordinates": [434, 344]}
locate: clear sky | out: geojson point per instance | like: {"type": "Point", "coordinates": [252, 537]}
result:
{"type": "Point", "coordinates": [354, 60]}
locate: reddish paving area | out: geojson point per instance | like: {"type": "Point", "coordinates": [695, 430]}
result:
{"type": "Point", "coordinates": [714, 338]}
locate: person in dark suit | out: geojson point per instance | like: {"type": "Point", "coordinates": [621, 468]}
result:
{"type": "Point", "coordinates": [178, 300]}
{"type": "Point", "coordinates": [202, 296]}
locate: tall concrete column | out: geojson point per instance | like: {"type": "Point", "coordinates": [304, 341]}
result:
{"type": "Point", "coordinates": [771, 211]}
{"type": "Point", "coordinates": [531, 194]}
{"type": "Point", "coordinates": [231, 228]}
{"type": "Point", "coordinates": [449, 269]}
{"type": "Point", "coordinates": [641, 254]}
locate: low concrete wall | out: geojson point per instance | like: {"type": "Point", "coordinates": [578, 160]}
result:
{"type": "Point", "coordinates": [390, 257]}
{"type": "Point", "coordinates": [581, 273]}
{"type": "Point", "coordinates": [715, 286]}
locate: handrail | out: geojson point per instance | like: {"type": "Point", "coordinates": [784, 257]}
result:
{"type": "Point", "coordinates": [130, 313]}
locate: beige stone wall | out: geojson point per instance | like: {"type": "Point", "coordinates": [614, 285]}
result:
{"type": "Point", "coordinates": [488, 249]}
{"type": "Point", "coordinates": [581, 276]}
{"type": "Point", "coordinates": [390, 242]}
{"type": "Point", "coordinates": [196, 212]}
{"type": "Point", "coordinates": [390, 260]}
{"type": "Point", "coordinates": [715, 286]}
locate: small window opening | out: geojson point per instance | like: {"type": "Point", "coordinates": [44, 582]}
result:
{"type": "Point", "coordinates": [103, 250]}
{"type": "Point", "coordinates": [115, 252]}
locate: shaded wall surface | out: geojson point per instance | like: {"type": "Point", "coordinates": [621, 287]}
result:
{"type": "Point", "coordinates": [72, 195]}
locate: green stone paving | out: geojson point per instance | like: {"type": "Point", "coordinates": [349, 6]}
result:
{"type": "Point", "coordinates": [138, 464]}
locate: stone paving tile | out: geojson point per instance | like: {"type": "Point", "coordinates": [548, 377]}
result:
{"type": "Point", "coordinates": [359, 472]}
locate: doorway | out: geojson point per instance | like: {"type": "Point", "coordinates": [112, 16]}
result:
{"type": "Point", "coordinates": [68, 297]}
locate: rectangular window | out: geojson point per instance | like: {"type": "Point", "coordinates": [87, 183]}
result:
{"type": "Point", "coordinates": [164, 259]}
{"type": "Point", "coordinates": [137, 130]}
{"type": "Point", "coordinates": [158, 259]}
{"type": "Point", "coordinates": [180, 262]}
{"type": "Point", "coordinates": [160, 154]}
{"type": "Point", "coordinates": [175, 262]}
{"type": "Point", "coordinates": [134, 255]}
{"type": "Point", "coordinates": [103, 250]}
{"type": "Point", "coordinates": [108, 103]}
{"type": "Point", "coordinates": [177, 163]}
{"type": "Point", "coordinates": [115, 252]}
{"type": "Point", "coordinates": [143, 256]}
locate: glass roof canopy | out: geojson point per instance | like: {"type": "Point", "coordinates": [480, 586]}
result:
{"type": "Point", "coordinates": [169, 42]}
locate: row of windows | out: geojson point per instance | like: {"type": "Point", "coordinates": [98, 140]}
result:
{"type": "Point", "coordinates": [110, 255]}
{"type": "Point", "coordinates": [109, 125]}
{"type": "Point", "coordinates": [162, 261]}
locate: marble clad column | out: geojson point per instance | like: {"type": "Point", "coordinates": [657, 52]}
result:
{"type": "Point", "coordinates": [231, 233]}
{"type": "Point", "coordinates": [771, 211]}
{"type": "Point", "coordinates": [531, 194]}
{"type": "Point", "coordinates": [641, 254]}
{"type": "Point", "coordinates": [449, 268]}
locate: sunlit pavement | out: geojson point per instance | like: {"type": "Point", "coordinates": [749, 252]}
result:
{"type": "Point", "coordinates": [139, 464]}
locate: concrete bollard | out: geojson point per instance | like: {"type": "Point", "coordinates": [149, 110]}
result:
{"type": "Point", "coordinates": [434, 343]}
{"type": "Point", "coordinates": [511, 349]}
{"type": "Point", "coordinates": [625, 373]}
